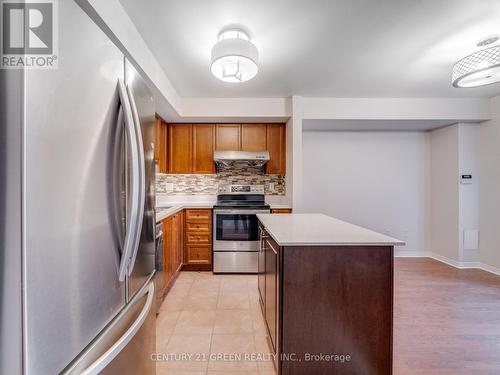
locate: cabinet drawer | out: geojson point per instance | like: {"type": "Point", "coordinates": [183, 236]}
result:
{"type": "Point", "coordinates": [281, 211]}
{"type": "Point", "coordinates": [199, 254]}
{"type": "Point", "coordinates": [198, 226]}
{"type": "Point", "coordinates": [197, 238]}
{"type": "Point", "coordinates": [198, 215]}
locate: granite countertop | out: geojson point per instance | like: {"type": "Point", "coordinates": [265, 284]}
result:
{"type": "Point", "coordinates": [321, 230]}
{"type": "Point", "coordinates": [162, 212]}
{"type": "Point", "coordinates": [167, 205]}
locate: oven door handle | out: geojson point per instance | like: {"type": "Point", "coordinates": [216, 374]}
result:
{"type": "Point", "coordinates": [241, 212]}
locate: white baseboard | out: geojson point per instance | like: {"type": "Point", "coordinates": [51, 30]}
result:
{"type": "Point", "coordinates": [409, 254]}
{"type": "Point", "coordinates": [488, 268]}
{"type": "Point", "coordinates": [448, 261]}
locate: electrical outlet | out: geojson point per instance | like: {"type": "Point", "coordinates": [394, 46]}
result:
{"type": "Point", "coordinates": [271, 186]}
{"type": "Point", "coordinates": [169, 187]}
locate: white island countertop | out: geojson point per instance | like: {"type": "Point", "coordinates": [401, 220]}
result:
{"type": "Point", "coordinates": [321, 230]}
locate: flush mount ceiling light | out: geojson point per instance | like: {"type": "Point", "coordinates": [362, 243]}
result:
{"type": "Point", "coordinates": [234, 57]}
{"type": "Point", "coordinates": [480, 68]}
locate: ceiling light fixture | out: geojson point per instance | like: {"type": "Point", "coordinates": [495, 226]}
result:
{"type": "Point", "coordinates": [234, 57]}
{"type": "Point", "coordinates": [480, 68]}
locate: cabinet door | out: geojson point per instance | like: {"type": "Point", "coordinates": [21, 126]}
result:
{"type": "Point", "coordinates": [161, 144]}
{"type": "Point", "coordinates": [201, 214]}
{"type": "Point", "coordinates": [167, 250]}
{"type": "Point", "coordinates": [276, 145]}
{"type": "Point", "coordinates": [203, 148]}
{"type": "Point", "coordinates": [261, 278]}
{"type": "Point", "coordinates": [253, 137]}
{"type": "Point", "coordinates": [228, 138]}
{"type": "Point", "coordinates": [199, 254]}
{"type": "Point", "coordinates": [180, 147]}
{"type": "Point", "coordinates": [175, 244]}
{"type": "Point", "coordinates": [180, 239]}
{"type": "Point", "coordinates": [271, 287]}
{"type": "Point", "coordinates": [157, 139]}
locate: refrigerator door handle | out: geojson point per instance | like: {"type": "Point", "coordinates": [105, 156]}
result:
{"type": "Point", "coordinates": [97, 366]}
{"type": "Point", "coordinates": [141, 178]}
{"type": "Point", "coordinates": [131, 241]}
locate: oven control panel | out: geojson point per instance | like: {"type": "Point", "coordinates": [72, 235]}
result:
{"type": "Point", "coordinates": [241, 189]}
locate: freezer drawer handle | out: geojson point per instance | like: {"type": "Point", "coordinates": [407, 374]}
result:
{"type": "Point", "coordinates": [141, 178]}
{"type": "Point", "coordinates": [131, 234]}
{"type": "Point", "coordinates": [96, 367]}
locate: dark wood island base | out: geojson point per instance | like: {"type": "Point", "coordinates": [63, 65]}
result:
{"type": "Point", "coordinates": [328, 309]}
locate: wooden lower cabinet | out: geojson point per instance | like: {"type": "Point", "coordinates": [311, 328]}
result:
{"type": "Point", "coordinates": [198, 239]}
{"type": "Point", "coordinates": [199, 215]}
{"type": "Point", "coordinates": [198, 227]}
{"type": "Point", "coordinates": [198, 254]}
{"type": "Point", "coordinates": [168, 225]}
{"type": "Point", "coordinates": [178, 238]}
{"type": "Point", "coordinates": [173, 244]}
{"type": "Point", "coordinates": [187, 243]}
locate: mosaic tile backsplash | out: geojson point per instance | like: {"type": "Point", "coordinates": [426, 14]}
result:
{"type": "Point", "coordinates": [203, 184]}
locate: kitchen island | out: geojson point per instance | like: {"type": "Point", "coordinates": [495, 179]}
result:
{"type": "Point", "coordinates": [326, 292]}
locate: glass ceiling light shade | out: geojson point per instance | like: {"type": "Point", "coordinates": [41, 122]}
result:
{"type": "Point", "coordinates": [234, 57]}
{"type": "Point", "coordinates": [480, 68]}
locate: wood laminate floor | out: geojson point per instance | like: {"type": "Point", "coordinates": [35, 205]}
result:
{"type": "Point", "coordinates": [446, 321]}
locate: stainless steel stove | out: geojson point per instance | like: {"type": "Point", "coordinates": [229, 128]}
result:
{"type": "Point", "coordinates": [235, 236]}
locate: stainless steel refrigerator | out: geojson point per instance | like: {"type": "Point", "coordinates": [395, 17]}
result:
{"type": "Point", "coordinates": [77, 211]}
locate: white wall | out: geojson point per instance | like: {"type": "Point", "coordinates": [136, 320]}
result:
{"type": "Point", "coordinates": [489, 196]}
{"type": "Point", "coordinates": [458, 109]}
{"type": "Point", "coordinates": [444, 212]}
{"type": "Point", "coordinates": [378, 180]}
{"type": "Point", "coordinates": [294, 164]}
{"type": "Point", "coordinates": [468, 160]}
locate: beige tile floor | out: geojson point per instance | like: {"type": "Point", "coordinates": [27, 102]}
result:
{"type": "Point", "coordinates": [212, 325]}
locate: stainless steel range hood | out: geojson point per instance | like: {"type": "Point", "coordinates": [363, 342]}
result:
{"type": "Point", "coordinates": [241, 158]}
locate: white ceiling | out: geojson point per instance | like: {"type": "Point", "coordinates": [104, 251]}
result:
{"type": "Point", "coordinates": [333, 48]}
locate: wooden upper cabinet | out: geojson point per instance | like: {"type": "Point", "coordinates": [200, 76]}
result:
{"type": "Point", "coordinates": [180, 148]}
{"type": "Point", "coordinates": [228, 138]}
{"type": "Point", "coordinates": [157, 138]}
{"type": "Point", "coordinates": [161, 144]}
{"type": "Point", "coordinates": [276, 145]}
{"type": "Point", "coordinates": [203, 148]}
{"type": "Point", "coordinates": [253, 137]}
{"type": "Point", "coordinates": [190, 147]}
